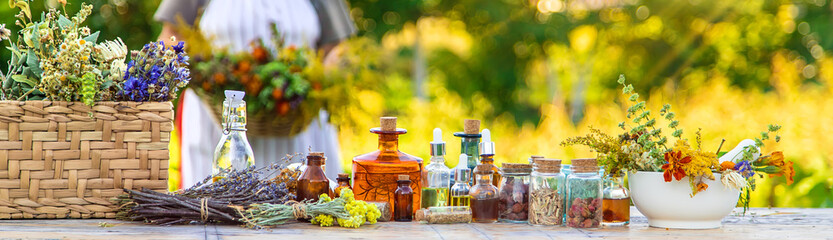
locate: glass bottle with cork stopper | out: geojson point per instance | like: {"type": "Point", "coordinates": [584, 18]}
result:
{"type": "Point", "coordinates": [616, 200]}
{"type": "Point", "coordinates": [403, 210]}
{"type": "Point", "coordinates": [546, 193]}
{"type": "Point", "coordinates": [484, 196]}
{"type": "Point", "coordinates": [487, 156]}
{"type": "Point", "coordinates": [469, 140]}
{"type": "Point", "coordinates": [343, 183]}
{"type": "Point", "coordinates": [514, 193]}
{"type": "Point", "coordinates": [437, 179]}
{"type": "Point", "coordinates": [584, 194]}
{"type": "Point", "coordinates": [233, 151]}
{"type": "Point", "coordinates": [460, 191]}
{"type": "Point", "coordinates": [312, 182]}
{"type": "Point", "coordinates": [375, 174]}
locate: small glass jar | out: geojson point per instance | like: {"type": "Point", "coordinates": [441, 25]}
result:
{"type": "Point", "coordinates": [616, 200]}
{"type": "Point", "coordinates": [546, 196]}
{"type": "Point", "coordinates": [584, 194]}
{"type": "Point", "coordinates": [514, 193]}
{"type": "Point", "coordinates": [403, 209]}
{"type": "Point", "coordinates": [312, 182]}
{"type": "Point", "coordinates": [343, 180]}
{"type": "Point", "coordinates": [484, 196]}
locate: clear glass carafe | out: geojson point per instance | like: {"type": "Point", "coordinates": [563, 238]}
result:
{"type": "Point", "coordinates": [233, 151]}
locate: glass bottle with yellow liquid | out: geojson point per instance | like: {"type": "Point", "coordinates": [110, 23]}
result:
{"type": "Point", "coordinates": [460, 191]}
{"type": "Point", "coordinates": [375, 173]}
{"type": "Point", "coordinates": [233, 151]}
{"type": "Point", "coordinates": [437, 176]}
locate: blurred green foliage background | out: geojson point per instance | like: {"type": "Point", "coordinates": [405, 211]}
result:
{"type": "Point", "coordinates": [538, 71]}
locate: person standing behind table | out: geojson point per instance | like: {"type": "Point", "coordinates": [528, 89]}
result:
{"type": "Point", "coordinates": [234, 24]}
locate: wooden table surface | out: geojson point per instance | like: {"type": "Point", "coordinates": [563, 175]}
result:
{"type": "Point", "coordinates": [759, 223]}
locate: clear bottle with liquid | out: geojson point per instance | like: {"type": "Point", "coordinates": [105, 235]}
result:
{"type": "Point", "coordinates": [437, 179]}
{"type": "Point", "coordinates": [233, 151]}
{"type": "Point", "coordinates": [460, 190]}
{"type": "Point", "coordinates": [484, 196]}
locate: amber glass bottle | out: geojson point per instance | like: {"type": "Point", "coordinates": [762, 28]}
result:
{"type": "Point", "coordinates": [312, 183]}
{"type": "Point", "coordinates": [375, 173]}
{"type": "Point", "coordinates": [343, 182]}
{"type": "Point", "coordinates": [487, 156]}
{"type": "Point", "coordinates": [403, 210]}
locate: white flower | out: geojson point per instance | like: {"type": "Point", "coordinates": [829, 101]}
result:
{"type": "Point", "coordinates": [4, 33]}
{"type": "Point", "coordinates": [733, 179]}
{"type": "Point", "coordinates": [111, 50]}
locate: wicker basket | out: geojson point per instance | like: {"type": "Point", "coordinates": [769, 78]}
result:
{"type": "Point", "coordinates": [68, 160]}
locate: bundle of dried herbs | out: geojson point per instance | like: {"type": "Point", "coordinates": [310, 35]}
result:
{"type": "Point", "coordinates": [344, 210]}
{"type": "Point", "coordinates": [222, 200]}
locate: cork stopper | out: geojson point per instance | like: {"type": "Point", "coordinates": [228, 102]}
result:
{"type": "Point", "coordinates": [343, 176]}
{"type": "Point", "coordinates": [471, 126]}
{"type": "Point", "coordinates": [316, 154]}
{"type": "Point", "coordinates": [534, 158]}
{"type": "Point", "coordinates": [584, 165]}
{"type": "Point", "coordinates": [516, 168]}
{"type": "Point", "coordinates": [548, 165]}
{"type": "Point", "coordinates": [388, 123]}
{"type": "Point", "coordinates": [483, 169]}
{"type": "Point", "coordinates": [404, 177]}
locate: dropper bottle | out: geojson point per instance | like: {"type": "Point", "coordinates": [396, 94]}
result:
{"type": "Point", "coordinates": [460, 191]}
{"type": "Point", "coordinates": [437, 176]}
{"type": "Point", "coordinates": [487, 156]}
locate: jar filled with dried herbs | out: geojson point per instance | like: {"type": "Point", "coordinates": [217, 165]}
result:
{"type": "Point", "coordinates": [514, 193]}
{"type": "Point", "coordinates": [546, 197]}
{"type": "Point", "coordinates": [444, 215]}
{"type": "Point", "coordinates": [584, 194]}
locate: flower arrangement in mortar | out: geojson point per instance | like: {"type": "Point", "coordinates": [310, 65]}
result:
{"type": "Point", "coordinates": [59, 59]}
{"type": "Point", "coordinates": [644, 147]}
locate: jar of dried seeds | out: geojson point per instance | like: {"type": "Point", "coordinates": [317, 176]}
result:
{"type": "Point", "coordinates": [546, 197]}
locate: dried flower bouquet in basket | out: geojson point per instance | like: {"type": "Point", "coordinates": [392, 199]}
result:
{"type": "Point", "coordinates": [59, 59]}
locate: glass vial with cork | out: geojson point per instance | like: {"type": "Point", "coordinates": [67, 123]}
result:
{"type": "Point", "coordinates": [375, 174]}
{"type": "Point", "coordinates": [460, 191]}
{"type": "Point", "coordinates": [484, 196]}
{"type": "Point", "coordinates": [312, 182]}
{"type": "Point", "coordinates": [546, 196]}
{"type": "Point", "coordinates": [403, 208]}
{"type": "Point", "coordinates": [444, 215]}
{"type": "Point", "coordinates": [584, 194]}
{"type": "Point", "coordinates": [343, 180]}
{"type": "Point", "coordinates": [233, 151]}
{"type": "Point", "coordinates": [437, 180]}
{"type": "Point", "coordinates": [616, 200]}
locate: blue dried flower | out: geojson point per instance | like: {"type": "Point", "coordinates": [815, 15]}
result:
{"type": "Point", "coordinates": [159, 70]}
{"type": "Point", "coordinates": [745, 169]}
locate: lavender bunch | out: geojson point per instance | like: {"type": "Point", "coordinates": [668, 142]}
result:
{"type": "Point", "coordinates": [156, 73]}
{"type": "Point", "coordinates": [243, 187]}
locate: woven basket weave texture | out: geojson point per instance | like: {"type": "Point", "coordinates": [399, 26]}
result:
{"type": "Point", "coordinates": [68, 160]}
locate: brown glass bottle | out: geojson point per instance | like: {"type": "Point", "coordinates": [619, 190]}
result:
{"type": "Point", "coordinates": [343, 182]}
{"type": "Point", "coordinates": [312, 183]}
{"type": "Point", "coordinates": [484, 196]}
{"type": "Point", "coordinates": [490, 161]}
{"type": "Point", "coordinates": [487, 156]}
{"type": "Point", "coordinates": [375, 173]}
{"type": "Point", "coordinates": [403, 210]}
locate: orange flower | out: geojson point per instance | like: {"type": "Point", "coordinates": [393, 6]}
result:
{"type": "Point", "coordinates": [726, 165]}
{"type": "Point", "coordinates": [775, 159]}
{"type": "Point", "coordinates": [786, 170]}
{"type": "Point", "coordinates": [702, 187]}
{"type": "Point", "coordinates": [674, 167]}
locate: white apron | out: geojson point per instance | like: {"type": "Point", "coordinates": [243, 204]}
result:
{"type": "Point", "coordinates": [234, 24]}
